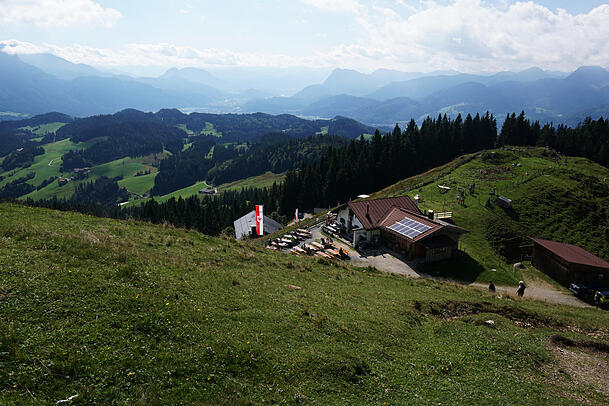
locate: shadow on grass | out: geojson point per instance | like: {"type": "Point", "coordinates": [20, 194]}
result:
{"type": "Point", "coordinates": [461, 268]}
{"type": "Point", "coordinates": [512, 213]}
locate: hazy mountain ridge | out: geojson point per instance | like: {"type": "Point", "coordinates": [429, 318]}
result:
{"type": "Point", "coordinates": [547, 96]}
{"type": "Point", "coordinates": [382, 97]}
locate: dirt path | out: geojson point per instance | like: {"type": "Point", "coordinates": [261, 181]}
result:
{"type": "Point", "coordinates": [538, 291]}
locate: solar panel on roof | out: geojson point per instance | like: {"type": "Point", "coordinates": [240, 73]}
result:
{"type": "Point", "coordinates": [409, 228]}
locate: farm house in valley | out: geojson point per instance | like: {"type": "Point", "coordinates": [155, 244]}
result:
{"type": "Point", "coordinates": [398, 223]}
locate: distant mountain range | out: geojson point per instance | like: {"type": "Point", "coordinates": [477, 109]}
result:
{"type": "Point", "coordinates": [543, 95]}
{"type": "Point", "coordinates": [34, 84]}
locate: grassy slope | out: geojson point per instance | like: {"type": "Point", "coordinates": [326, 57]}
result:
{"type": "Point", "coordinates": [126, 312]}
{"type": "Point", "coordinates": [126, 167]}
{"type": "Point", "coordinates": [139, 184]}
{"type": "Point", "coordinates": [184, 193]}
{"type": "Point", "coordinates": [208, 130]}
{"type": "Point", "coordinates": [264, 180]}
{"type": "Point", "coordinates": [544, 174]}
{"type": "Point", "coordinates": [53, 153]}
{"type": "Point", "coordinates": [44, 129]}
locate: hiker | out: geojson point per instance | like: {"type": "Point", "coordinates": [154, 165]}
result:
{"type": "Point", "coordinates": [491, 287]}
{"type": "Point", "coordinates": [521, 289]}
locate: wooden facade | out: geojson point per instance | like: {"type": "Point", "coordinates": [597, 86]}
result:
{"type": "Point", "coordinates": [566, 272]}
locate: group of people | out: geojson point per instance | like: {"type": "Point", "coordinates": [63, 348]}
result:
{"type": "Point", "coordinates": [461, 198]}
{"type": "Point", "coordinates": [519, 291]}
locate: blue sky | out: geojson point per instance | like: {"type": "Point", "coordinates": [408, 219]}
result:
{"type": "Point", "coordinates": [466, 35]}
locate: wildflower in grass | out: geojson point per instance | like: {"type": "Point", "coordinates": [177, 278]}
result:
{"type": "Point", "coordinates": [248, 342]}
{"type": "Point", "coordinates": [198, 309]}
{"type": "Point", "coordinates": [167, 304]}
{"type": "Point", "coordinates": [131, 373]}
{"type": "Point", "coordinates": [207, 318]}
{"type": "Point", "coordinates": [261, 333]}
{"type": "Point", "coordinates": [137, 296]}
{"type": "Point", "coordinates": [188, 379]}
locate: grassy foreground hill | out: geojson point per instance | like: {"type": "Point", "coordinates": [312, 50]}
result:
{"type": "Point", "coordinates": [132, 313]}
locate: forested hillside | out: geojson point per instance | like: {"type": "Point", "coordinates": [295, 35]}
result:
{"type": "Point", "coordinates": [276, 153]}
{"type": "Point", "coordinates": [159, 152]}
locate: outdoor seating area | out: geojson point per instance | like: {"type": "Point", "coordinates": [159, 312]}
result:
{"type": "Point", "coordinates": [289, 240]}
{"type": "Point", "coordinates": [299, 242]}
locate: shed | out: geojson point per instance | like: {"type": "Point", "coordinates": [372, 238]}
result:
{"type": "Point", "coordinates": [245, 224]}
{"type": "Point", "coordinates": [504, 202]}
{"type": "Point", "coordinates": [568, 263]}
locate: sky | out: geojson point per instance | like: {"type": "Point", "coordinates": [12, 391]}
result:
{"type": "Point", "coordinates": [475, 36]}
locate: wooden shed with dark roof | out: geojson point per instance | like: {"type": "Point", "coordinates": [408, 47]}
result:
{"type": "Point", "coordinates": [568, 263]}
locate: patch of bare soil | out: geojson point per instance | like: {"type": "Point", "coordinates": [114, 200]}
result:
{"type": "Point", "coordinates": [585, 363]}
{"type": "Point", "coordinates": [455, 310]}
{"type": "Point", "coordinates": [451, 310]}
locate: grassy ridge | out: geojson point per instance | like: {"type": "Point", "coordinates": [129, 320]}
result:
{"type": "Point", "coordinates": [41, 167]}
{"type": "Point", "coordinates": [127, 312]}
{"type": "Point", "coordinates": [533, 210]}
{"type": "Point", "coordinates": [44, 129]}
{"type": "Point", "coordinates": [265, 180]}
{"type": "Point", "coordinates": [261, 181]}
{"type": "Point", "coordinates": [184, 193]}
{"type": "Point", "coordinates": [138, 184]}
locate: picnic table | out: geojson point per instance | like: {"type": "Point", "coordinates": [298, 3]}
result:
{"type": "Point", "coordinates": [317, 245]}
{"type": "Point", "coordinates": [299, 250]}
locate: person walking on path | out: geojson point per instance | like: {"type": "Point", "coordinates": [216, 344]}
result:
{"type": "Point", "coordinates": [491, 287]}
{"type": "Point", "coordinates": [521, 289]}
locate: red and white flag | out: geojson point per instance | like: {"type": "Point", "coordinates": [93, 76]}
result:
{"type": "Point", "coordinates": [296, 214]}
{"type": "Point", "coordinates": [259, 220]}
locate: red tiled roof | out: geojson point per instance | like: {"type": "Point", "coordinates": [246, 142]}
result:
{"type": "Point", "coordinates": [396, 215]}
{"type": "Point", "coordinates": [572, 253]}
{"type": "Point", "coordinates": [379, 209]}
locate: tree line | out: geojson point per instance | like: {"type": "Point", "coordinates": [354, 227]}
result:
{"type": "Point", "coordinates": [590, 139]}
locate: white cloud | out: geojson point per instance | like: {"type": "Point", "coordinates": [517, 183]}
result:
{"type": "Point", "coordinates": [465, 35]}
{"type": "Point", "coordinates": [57, 13]}
{"type": "Point", "coordinates": [186, 10]}
{"type": "Point", "coordinates": [334, 5]}
{"type": "Point", "coordinates": [161, 55]}
{"type": "Point", "coordinates": [470, 35]}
